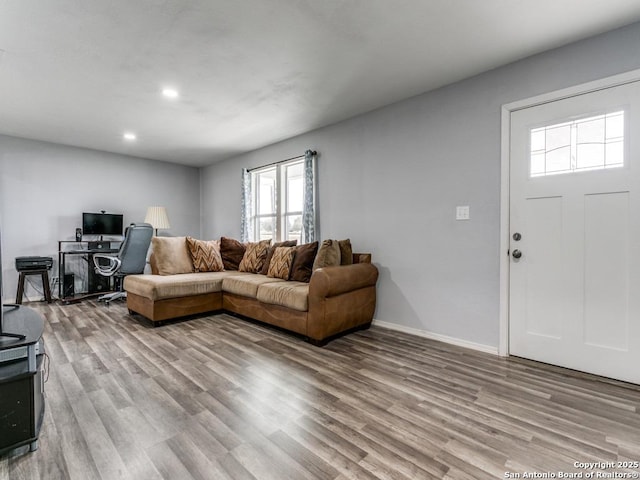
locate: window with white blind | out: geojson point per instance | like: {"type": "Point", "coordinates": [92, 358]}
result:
{"type": "Point", "coordinates": [278, 199]}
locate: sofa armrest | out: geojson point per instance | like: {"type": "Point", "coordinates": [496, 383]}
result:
{"type": "Point", "coordinates": [341, 299]}
{"type": "Point", "coordinates": [331, 281]}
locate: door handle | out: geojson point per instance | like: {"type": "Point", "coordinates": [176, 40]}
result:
{"type": "Point", "coordinates": [516, 253]}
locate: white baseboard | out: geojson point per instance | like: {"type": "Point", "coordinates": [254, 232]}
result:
{"type": "Point", "coordinates": [436, 336]}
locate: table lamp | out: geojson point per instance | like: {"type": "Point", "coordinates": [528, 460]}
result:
{"type": "Point", "coordinates": [157, 217]}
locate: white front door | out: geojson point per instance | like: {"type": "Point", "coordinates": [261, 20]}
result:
{"type": "Point", "coordinates": [575, 228]}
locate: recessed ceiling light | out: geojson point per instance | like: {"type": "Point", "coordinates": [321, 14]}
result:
{"type": "Point", "coordinates": [129, 136]}
{"type": "Point", "coordinates": [170, 92]}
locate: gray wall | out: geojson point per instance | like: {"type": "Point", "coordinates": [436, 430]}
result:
{"type": "Point", "coordinates": [45, 188]}
{"type": "Point", "coordinates": [391, 179]}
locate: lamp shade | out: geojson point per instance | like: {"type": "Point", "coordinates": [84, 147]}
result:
{"type": "Point", "coordinates": [157, 217]}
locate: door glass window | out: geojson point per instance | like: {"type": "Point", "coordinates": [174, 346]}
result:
{"type": "Point", "coordinates": [592, 143]}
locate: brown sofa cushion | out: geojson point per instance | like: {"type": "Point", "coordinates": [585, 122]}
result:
{"type": "Point", "coordinates": [346, 252]}
{"type": "Point", "coordinates": [281, 262]}
{"type": "Point", "coordinates": [328, 254]}
{"type": "Point", "coordinates": [232, 252]}
{"type": "Point", "coordinates": [171, 255]}
{"type": "Point", "coordinates": [205, 255]}
{"type": "Point", "coordinates": [254, 256]}
{"type": "Point", "coordinates": [303, 262]}
{"type": "Point", "coordinates": [286, 243]}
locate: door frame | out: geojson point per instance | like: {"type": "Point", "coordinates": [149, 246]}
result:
{"type": "Point", "coordinates": [505, 172]}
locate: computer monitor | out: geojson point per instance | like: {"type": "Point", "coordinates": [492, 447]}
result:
{"type": "Point", "coordinates": [101, 224]}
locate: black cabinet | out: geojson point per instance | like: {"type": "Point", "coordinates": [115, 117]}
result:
{"type": "Point", "coordinates": [21, 380]}
{"type": "Point", "coordinates": [21, 405]}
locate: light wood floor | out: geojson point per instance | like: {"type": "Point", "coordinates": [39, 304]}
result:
{"type": "Point", "coordinates": [221, 398]}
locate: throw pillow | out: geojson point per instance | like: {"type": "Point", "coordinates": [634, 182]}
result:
{"type": "Point", "coordinates": [281, 262]}
{"type": "Point", "coordinates": [328, 254]}
{"type": "Point", "coordinates": [303, 262]}
{"type": "Point", "coordinates": [231, 252]}
{"type": "Point", "coordinates": [254, 256]}
{"type": "Point", "coordinates": [171, 255]}
{"type": "Point", "coordinates": [205, 255]}
{"type": "Point", "coordinates": [346, 252]}
{"type": "Point", "coordinates": [286, 243]}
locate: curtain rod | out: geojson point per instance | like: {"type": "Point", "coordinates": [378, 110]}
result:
{"type": "Point", "coordinates": [313, 152]}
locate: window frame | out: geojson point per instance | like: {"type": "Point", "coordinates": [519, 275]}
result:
{"type": "Point", "coordinates": [281, 196]}
{"type": "Point", "coordinates": [573, 123]}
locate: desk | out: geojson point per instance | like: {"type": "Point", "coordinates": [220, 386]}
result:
{"type": "Point", "coordinates": [21, 381]}
{"type": "Point", "coordinates": [96, 283]}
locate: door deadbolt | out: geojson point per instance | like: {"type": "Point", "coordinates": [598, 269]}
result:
{"type": "Point", "coordinates": [517, 237]}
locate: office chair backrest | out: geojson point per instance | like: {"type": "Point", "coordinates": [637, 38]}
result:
{"type": "Point", "coordinates": [133, 251]}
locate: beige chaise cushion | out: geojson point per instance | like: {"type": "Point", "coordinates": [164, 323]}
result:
{"type": "Point", "coordinates": [291, 294]}
{"type": "Point", "coordinates": [158, 287]}
{"type": "Point", "coordinates": [246, 284]}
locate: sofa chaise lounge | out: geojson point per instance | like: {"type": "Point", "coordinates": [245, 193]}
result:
{"type": "Point", "coordinates": [337, 299]}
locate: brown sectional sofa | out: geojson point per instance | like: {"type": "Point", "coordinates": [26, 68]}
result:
{"type": "Point", "coordinates": [337, 299]}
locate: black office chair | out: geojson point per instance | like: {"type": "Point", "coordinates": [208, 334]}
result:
{"type": "Point", "coordinates": [130, 259]}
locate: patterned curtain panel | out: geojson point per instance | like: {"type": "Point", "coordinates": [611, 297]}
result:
{"type": "Point", "coordinates": [246, 225]}
{"type": "Point", "coordinates": [309, 208]}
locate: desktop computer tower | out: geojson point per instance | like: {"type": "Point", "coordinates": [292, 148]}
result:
{"type": "Point", "coordinates": [68, 285]}
{"type": "Point", "coordinates": [98, 283]}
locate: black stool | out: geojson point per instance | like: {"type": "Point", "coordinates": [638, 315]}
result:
{"type": "Point", "coordinates": [45, 284]}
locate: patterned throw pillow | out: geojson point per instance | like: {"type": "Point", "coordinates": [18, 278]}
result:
{"type": "Point", "coordinates": [286, 243]}
{"type": "Point", "coordinates": [281, 262]}
{"type": "Point", "coordinates": [254, 256]}
{"type": "Point", "coordinates": [205, 255]}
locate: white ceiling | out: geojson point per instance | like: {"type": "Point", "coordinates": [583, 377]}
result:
{"type": "Point", "coordinates": [253, 72]}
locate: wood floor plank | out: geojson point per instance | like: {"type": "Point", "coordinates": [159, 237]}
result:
{"type": "Point", "coordinates": [104, 454]}
{"type": "Point", "coordinates": [318, 468]}
{"type": "Point", "coordinates": [265, 466]}
{"type": "Point", "coordinates": [324, 445]}
{"type": "Point", "coordinates": [167, 462]}
{"type": "Point", "coordinates": [316, 434]}
{"type": "Point", "coordinates": [199, 465]}
{"type": "Point", "coordinates": [129, 437]}
{"type": "Point", "coordinates": [217, 397]}
{"type": "Point", "coordinates": [76, 456]}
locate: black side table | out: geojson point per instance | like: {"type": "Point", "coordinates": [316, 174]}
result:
{"type": "Point", "coordinates": [22, 399]}
{"type": "Point", "coordinates": [45, 284]}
